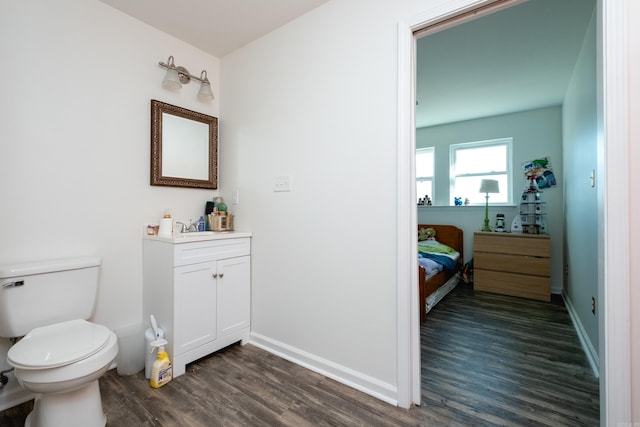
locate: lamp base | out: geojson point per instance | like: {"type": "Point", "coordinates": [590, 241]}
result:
{"type": "Point", "coordinates": [486, 214]}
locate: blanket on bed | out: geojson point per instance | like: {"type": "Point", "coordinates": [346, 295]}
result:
{"type": "Point", "coordinates": [438, 252]}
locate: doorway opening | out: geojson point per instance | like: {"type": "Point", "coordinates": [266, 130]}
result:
{"type": "Point", "coordinates": [615, 29]}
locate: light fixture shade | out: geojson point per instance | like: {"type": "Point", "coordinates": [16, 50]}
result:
{"type": "Point", "coordinates": [489, 186]}
{"type": "Point", "coordinates": [171, 80]}
{"type": "Point", "coordinates": [205, 94]}
{"type": "Point", "coordinates": [177, 76]}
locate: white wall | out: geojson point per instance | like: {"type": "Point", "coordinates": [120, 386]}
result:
{"type": "Point", "coordinates": [536, 133]}
{"type": "Point", "coordinates": [316, 100]}
{"type": "Point", "coordinates": [580, 137]}
{"type": "Point", "coordinates": [75, 140]}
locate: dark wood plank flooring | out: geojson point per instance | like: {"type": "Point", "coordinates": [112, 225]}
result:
{"type": "Point", "coordinates": [490, 359]}
{"type": "Point", "coordinates": [487, 360]}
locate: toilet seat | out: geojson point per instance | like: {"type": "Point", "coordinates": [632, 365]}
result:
{"type": "Point", "coordinates": [58, 345]}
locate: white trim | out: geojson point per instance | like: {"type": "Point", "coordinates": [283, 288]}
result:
{"type": "Point", "coordinates": [426, 178]}
{"type": "Point", "coordinates": [615, 346]}
{"type": "Point", "coordinates": [366, 384]}
{"type": "Point", "coordinates": [587, 346]}
{"type": "Point", "coordinates": [408, 322]}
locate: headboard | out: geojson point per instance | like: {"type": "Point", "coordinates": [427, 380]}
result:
{"type": "Point", "coordinates": [449, 235]}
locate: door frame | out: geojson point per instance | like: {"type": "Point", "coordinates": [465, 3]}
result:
{"type": "Point", "coordinates": [613, 152]}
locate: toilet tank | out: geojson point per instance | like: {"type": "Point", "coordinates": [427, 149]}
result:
{"type": "Point", "coordinates": [40, 293]}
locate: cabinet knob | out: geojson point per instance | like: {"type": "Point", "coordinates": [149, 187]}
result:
{"type": "Point", "coordinates": [215, 275]}
{"type": "Point", "coordinates": [221, 275]}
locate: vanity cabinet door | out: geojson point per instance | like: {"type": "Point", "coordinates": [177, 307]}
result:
{"type": "Point", "coordinates": [234, 294]}
{"type": "Point", "coordinates": [195, 302]}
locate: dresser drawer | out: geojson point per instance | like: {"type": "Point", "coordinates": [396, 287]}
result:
{"type": "Point", "coordinates": [517, 244]}
{"type": "Point", "coordinates": [522, 264]}
{"type": "Point", "coordinates": [518, 285]}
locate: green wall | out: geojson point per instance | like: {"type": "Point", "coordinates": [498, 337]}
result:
{"type": "Point", "coordinates": [581, 198]}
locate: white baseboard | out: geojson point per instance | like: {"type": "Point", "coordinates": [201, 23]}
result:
{"type": "Point", "coordinates": [590, 352]}
{"type": "Point", "coordinates": [357, 380]}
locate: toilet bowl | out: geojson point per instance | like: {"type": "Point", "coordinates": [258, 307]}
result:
{"type": "Point", "coordinates": [62, 363]}
{"type": "Point", "coordinates": [62, 354]}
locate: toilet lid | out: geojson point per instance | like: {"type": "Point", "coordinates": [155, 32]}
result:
{"type": "Point", "coordinates": [58, 344]}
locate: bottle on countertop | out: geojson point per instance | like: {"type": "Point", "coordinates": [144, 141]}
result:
{"type": "Point", "coordinates": [166, 224]}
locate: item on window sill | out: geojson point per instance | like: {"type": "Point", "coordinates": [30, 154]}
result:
{"type": "Point", "coordinates": [424, 202]}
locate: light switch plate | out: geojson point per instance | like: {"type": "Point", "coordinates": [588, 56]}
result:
{"type": "Point", "coordinates": [282, 183]}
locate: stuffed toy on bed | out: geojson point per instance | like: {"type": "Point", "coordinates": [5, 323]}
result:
{"type": "Point", "coordinates": [426, 234]}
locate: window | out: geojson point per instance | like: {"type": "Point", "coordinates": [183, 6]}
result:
{"type": "Point", "coordinates": [473, 161]}
{"type": "Point", "coordinates": [424, 173]}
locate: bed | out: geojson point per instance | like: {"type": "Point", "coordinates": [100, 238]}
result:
{"type": "Point", "coordinates": [434, 284]}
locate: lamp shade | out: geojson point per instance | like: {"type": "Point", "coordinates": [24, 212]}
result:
{"type": "Point", "coordinates": [205, 94]}
{"type": "Point", "coordinates": [171, 80]}
{"type": "Point", "coordinates": [489, 186]}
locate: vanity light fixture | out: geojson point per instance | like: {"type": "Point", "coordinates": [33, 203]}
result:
{"type": "Point", "coordinates": [177, 76]}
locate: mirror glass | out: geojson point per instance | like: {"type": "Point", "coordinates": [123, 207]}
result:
{"type": "Point", "coordinates": [184, 147]}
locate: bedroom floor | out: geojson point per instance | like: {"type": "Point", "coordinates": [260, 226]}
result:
{"type": "Point", "coordinates": [487, 360]}
{"type": "Point", "coordinates": [490, 359]}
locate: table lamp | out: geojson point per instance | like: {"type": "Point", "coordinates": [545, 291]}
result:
{"type": "Point", "coordinates": [488, 186]}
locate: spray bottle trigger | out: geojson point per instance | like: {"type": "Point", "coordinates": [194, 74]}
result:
{"type": "Point", "coordinates": [159, 343]}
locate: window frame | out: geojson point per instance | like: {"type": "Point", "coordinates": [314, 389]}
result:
{"type": "Point", "coordinates": [431, 178]}
{"type": "Point", "coordinates": [454, 148]}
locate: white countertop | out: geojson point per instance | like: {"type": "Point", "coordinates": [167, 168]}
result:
{"type": "Point", "coordinates": [199, 236]}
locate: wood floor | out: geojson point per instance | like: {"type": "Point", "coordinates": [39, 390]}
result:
{"type": "Point", "coordinates": [496, 360]}
{"type": "Point", "coordinates": [487, 360]}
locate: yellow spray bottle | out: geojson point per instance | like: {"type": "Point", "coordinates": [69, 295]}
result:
{"type": "Point", "coordinates": [161, 370]}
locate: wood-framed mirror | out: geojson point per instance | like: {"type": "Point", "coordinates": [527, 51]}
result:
{"type": "Point", "coordinates": [184, 147]}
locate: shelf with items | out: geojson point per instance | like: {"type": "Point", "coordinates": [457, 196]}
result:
{"type": "Point", "coordinates": [531, 215]}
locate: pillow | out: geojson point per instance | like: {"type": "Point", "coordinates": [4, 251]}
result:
{"type": "Point", "coordinates": [429, 243]}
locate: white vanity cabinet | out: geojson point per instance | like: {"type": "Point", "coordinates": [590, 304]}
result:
{"type": "Point", "coordinates": [199, 290]}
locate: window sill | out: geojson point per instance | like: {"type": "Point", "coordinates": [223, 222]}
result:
{"type": "Point", "coordinates": [464, 207]}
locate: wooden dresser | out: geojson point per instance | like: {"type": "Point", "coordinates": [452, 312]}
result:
{"type": "Point", "coordinates": [513, 264]}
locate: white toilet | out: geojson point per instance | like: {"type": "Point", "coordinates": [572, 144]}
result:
{"type": "Point", "coordinates": [61, 355]}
